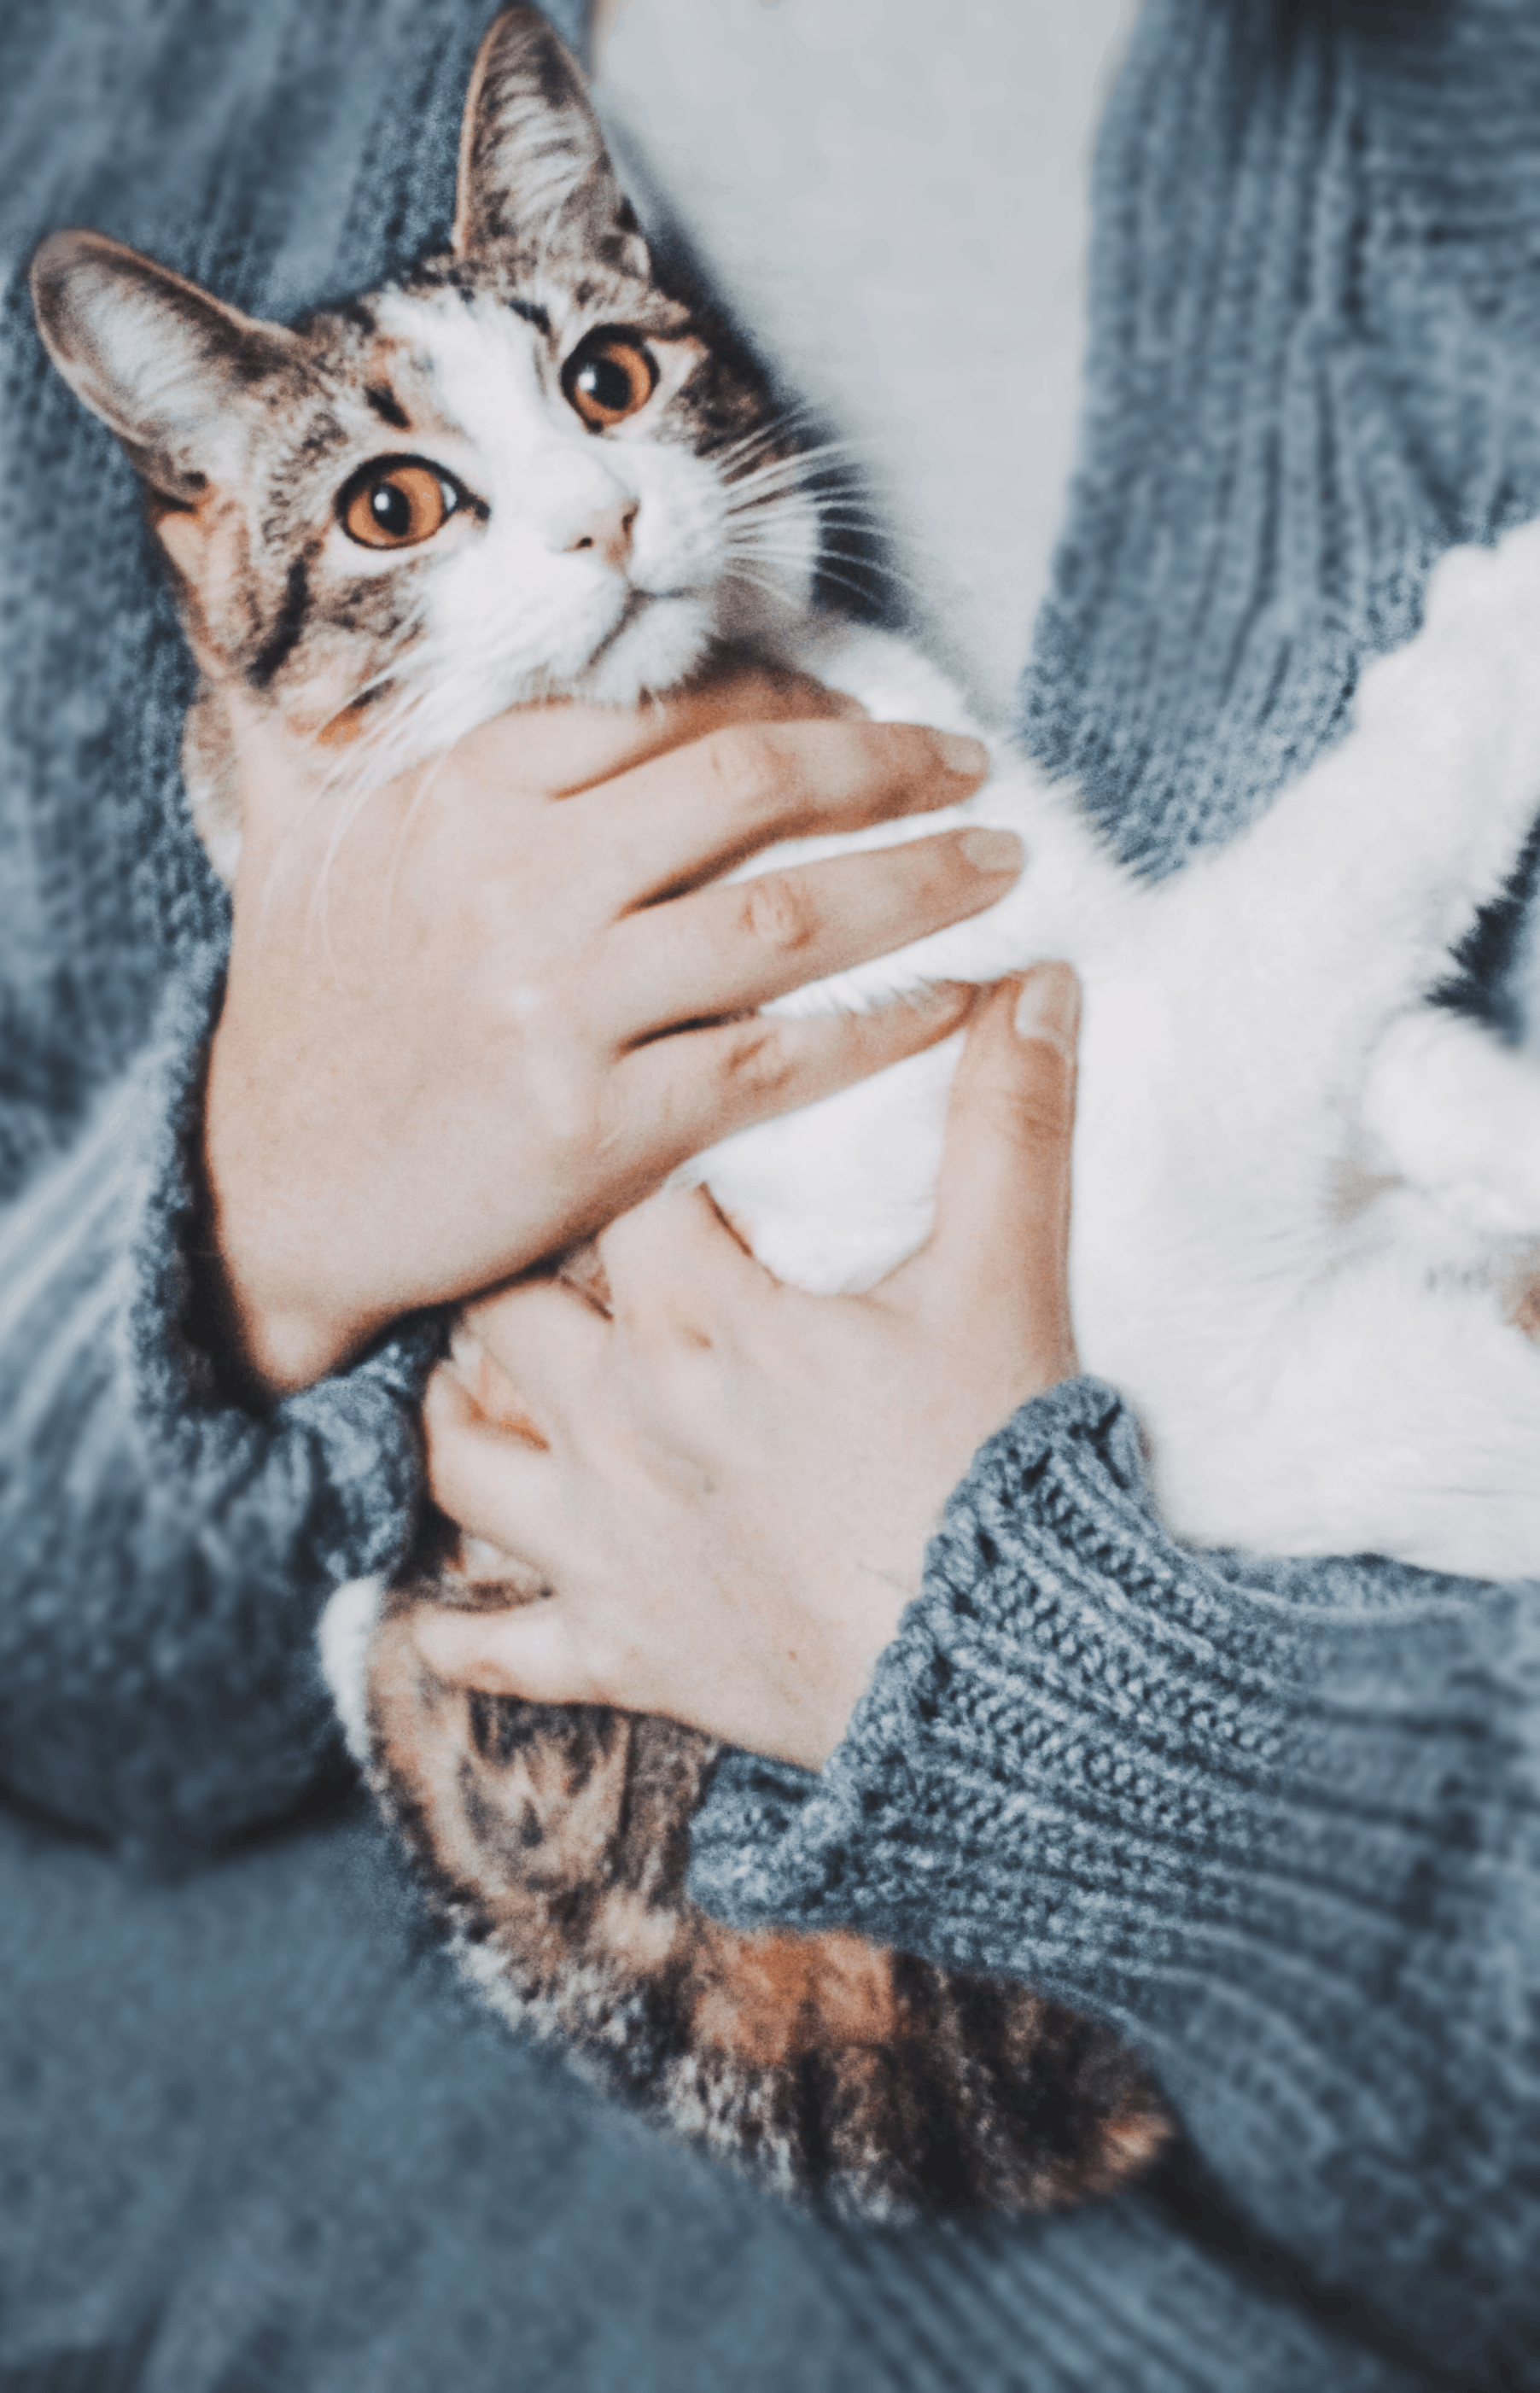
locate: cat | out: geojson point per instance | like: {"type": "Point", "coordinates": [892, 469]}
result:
{"type": "Point", "coordinates": [1307, 1196]}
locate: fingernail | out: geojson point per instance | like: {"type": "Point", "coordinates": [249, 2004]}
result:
{"type": "Point", "coordinates": [1049, 1006]}
{"type": "Point", "coordinates": [969, 759]}
{"type": "Point", "coordinates": [994, 851]}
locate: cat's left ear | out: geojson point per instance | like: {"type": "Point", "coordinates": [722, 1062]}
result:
{"type": "Point", "coordinates": [174, 372]}
{"type": "Point", "coordinates": [533, 165]}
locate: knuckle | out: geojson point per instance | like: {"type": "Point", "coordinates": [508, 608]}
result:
{"type": "Point", "coordinates": [565, 1100]}
{"type": "Point", "coordinates": [759, 1062]}
{"type": "Point", "coordinates": [779, 911]}
{"type": "Point", "coordinates": [747, 767]}
{"type": "Point", "coordinates": [1039, 1110]}
{"type": "Point", "coordinates": [1039, 1126]}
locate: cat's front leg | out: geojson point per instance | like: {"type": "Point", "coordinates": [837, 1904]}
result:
{"type": "Point", "coordinates": [1387, 847]}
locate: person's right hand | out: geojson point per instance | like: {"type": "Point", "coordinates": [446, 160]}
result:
{"type": "Point", "coordinates": [509, 998]}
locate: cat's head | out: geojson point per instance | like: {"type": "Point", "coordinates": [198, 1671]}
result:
{"type": "Point", "coordinates": [528, 471]}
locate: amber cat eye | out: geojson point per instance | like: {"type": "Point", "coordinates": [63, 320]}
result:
{"type": "Point", "coordinates": [395, 502]}
{"type": "Point", "coordinates": [608, 376]}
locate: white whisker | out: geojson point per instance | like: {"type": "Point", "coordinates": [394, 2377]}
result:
{"type": "Point", "coordinates": [798, 468]}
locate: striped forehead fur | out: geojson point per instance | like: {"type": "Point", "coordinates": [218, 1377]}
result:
{"type": "Point", "coordinates": [463, 368]}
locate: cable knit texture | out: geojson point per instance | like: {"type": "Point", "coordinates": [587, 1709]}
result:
{"type": "Point", "coordinates": [1278, 1823]}
{"type": "Point", "coordinates": [1314, 364]}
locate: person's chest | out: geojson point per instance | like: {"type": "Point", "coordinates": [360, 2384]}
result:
{"type": "Point", "coordinates": [893, 197]}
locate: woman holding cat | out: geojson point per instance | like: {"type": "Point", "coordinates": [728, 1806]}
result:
{"type": "Point", "coordinates": [1277, 1823]}
{"type": "Point", "coordinates": [1232, 1807]}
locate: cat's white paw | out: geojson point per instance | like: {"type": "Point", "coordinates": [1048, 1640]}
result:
{"type": "Point", "coordinates": [345, 1631]}
{"type": "Point", "coordinates": [1480, 620]}
{"type": "Point", "coordinates": [1481, 583]}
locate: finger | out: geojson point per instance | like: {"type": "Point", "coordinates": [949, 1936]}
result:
{"type": "Point", "coordinates": [1001, 1234]}
{"type": "Point", "coordinates": [489, 1388]}
{"type": "Point", "coordinates": [685, 1094]}
{"type": "Point", "coordinates": [547, 1342]}
{"type": "Point", "coordinates": [727, 949]}
{"type": "Point", "coordinates": [491, 1483]}
{"type": "Point", "coordinates": [564, 748]}
{"type": "Point", "coordinates": [528, 1650]}
{"type": "Point", "coordinates": [676, 1257]}
{"type": "Point", "coordinates": [674, 823]}
{"type": "Point", "coordinates": [751, 694]}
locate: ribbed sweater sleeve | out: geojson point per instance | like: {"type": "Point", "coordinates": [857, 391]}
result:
{"type": "Point", "coordinates": [1278, 1822]}
{"type": "Point", "coordinates": [164, 1552]}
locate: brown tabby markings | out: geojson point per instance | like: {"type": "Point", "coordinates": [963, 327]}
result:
{"type": "Point", "coordinates": [554, 1842]}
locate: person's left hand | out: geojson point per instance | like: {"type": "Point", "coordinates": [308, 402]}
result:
{"type": "Point", "coordinates": [735, 1482]}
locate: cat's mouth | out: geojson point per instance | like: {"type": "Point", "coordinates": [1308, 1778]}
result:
{"type": "Point", "coordinates": [635, 606]}
{"type": "Point", "coordinates": [677, 626]}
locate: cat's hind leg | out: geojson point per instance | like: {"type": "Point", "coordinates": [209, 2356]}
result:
{"type": "Point", "coordinates": [552, 1843]}
{"type": "Point", "coordinates": [1401, 1418]}
{"type": "Point", "coordinates": [1455, 1113]}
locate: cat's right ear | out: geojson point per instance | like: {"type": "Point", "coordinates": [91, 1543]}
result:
{"type": "Point", "coordinates": [533, 164]}
{"type": "Point", "coordinates": [172, 371]}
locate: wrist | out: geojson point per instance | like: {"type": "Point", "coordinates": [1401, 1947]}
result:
{"type": "Point", "coordinates": [271, 1343]}
{"type": "Point", "coordinates": [272, 1330]}
{"type": "Point", "coordinates": [280, 1352]}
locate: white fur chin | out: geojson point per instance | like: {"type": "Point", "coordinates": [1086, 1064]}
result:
{"type": "Point", "coordinates": [659, 648]}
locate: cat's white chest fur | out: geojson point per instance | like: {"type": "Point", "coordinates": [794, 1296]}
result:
{"type": "Point", "coordinates": [1304, 1198]}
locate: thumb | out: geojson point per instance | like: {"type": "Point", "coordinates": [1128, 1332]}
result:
{"type": "Point", "coordinates": [1001, 1234]}
{"type": "Point", "coordinates": [525, 1651]}
{"type": "Point", "coordinates": [677, 1257]}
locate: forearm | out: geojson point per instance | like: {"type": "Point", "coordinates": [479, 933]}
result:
{"type": "Point", "coordinates": [1273, 1825]}
{"type": "Point", "coordinates": [165, 1550]}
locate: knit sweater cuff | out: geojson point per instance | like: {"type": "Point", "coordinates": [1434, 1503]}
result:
{"type": "Point", "coordinates": [1229, 1807]}
{"type": "Point", "coordinates": [930, 1770]}
{"type": "Point", "coordinates": [357, 1429]}
{"type": "Point", "coordinates": [1116, 1768]}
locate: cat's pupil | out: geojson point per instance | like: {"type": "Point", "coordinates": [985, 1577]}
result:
{"type": "Point", "coordinates": [391, 509]}
{"type": "Point", "coordinates": [606, 384]}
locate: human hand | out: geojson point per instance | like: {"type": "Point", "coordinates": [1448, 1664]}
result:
{"type": "Point", "coordinates": [502, 1007]}
{"type": "Point", "coordinates": [737, 1482]}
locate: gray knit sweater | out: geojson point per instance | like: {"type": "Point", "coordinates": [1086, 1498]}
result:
{"type": "Point", "coordinates": [1281, 1822]}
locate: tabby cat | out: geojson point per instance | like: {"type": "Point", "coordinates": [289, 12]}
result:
{"type": "Point", "coordinates": [1307, 1198]}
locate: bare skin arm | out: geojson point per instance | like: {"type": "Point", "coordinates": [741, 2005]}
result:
{"type": "Point", "coordinates": [501, 1007]}
{"type": "Point", "coordinates": [738, 1482]}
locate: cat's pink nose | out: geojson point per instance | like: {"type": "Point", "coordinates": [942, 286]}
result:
{"type": "Point", "coordinates": [605, 527]}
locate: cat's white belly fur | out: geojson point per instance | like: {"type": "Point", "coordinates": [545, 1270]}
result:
{"type": "Point", "coordinates": [1298, 1226]}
